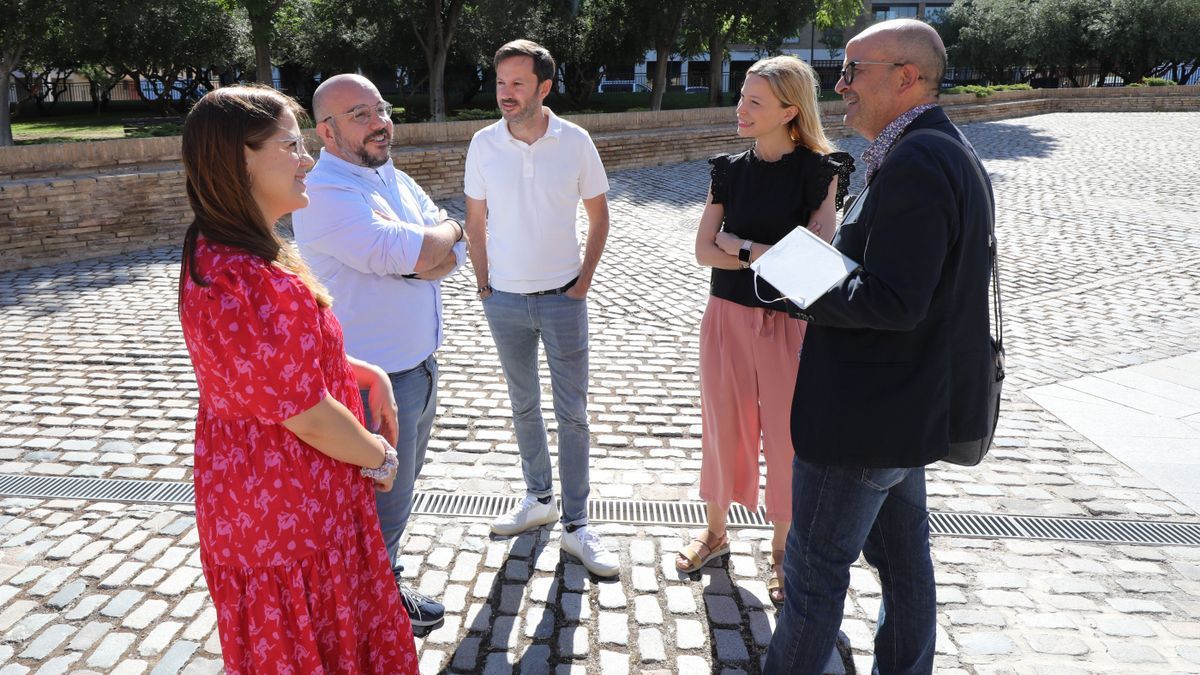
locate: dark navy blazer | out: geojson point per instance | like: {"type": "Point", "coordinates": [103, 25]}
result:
{"type": "Point", "coordinates": [896, 358]}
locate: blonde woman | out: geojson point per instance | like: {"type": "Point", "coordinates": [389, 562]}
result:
{"type": "Point", "coordinates": [749, 345]}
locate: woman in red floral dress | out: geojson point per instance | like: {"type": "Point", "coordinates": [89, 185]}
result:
{"type": "Point", "coordinates": [284, 473]}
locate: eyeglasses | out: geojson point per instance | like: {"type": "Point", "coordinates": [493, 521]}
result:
{"type": "Point", "coordinates": [363, 114]}
{"type": "Point", "coordinates": [848, 72]}
{"type": "Point", "coordinates": [295, 145]}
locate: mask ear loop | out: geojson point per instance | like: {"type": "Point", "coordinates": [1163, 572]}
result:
{"type": "Point", "coordinates": [782, 298]}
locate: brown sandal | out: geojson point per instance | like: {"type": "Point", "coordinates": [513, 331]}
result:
{"type": "Point", "coordinates": [775, 584]}
{"type": "Point", "coordinates": [691, 552]}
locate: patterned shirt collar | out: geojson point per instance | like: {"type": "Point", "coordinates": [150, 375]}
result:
{"type": "Point", "coordinates": [873, 157]}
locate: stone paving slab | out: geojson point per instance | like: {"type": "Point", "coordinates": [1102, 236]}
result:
{"type": "Point", "coordinates": [1147, 416]}
{"type": "Point", "coordinates": [1099, 234]}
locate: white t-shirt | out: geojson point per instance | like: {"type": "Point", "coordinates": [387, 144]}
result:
{"type": "Point", "coordinates": [532, 194]}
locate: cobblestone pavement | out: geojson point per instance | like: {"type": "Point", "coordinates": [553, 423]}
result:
{"type": "Point", "coordinates": [1099, 234]}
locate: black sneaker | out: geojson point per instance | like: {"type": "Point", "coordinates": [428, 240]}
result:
{"type": "Point", "coordinates": [425, 613]}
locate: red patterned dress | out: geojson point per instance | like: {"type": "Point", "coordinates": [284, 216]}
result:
{"type": "Point", "coordinates": [289, 537]}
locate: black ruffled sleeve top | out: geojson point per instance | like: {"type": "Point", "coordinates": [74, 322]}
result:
{"type": "Point", "coordinates": [766, 200]}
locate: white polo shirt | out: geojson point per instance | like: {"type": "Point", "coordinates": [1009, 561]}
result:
{"type": "Point", "coordinates": [532, 194]}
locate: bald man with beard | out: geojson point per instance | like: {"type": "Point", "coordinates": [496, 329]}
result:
{"type": "Point", "coordinates": [381, 246]}
{"type": "Point", "coordinates": [896, 360]}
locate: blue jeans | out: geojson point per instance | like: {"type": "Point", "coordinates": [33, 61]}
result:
{"type": "Point", "coordinates": [517, 322]}
{"type": "Point", "coordinates": [836, 513]}
{"type": "Point", "coordinates": [415, 390]}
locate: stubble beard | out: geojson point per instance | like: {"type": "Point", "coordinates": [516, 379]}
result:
{"type": "Point", "coordinates": [364, 156]}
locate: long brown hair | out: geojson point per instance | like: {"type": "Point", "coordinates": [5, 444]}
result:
{"type": "Point", "coordinates": [215, 136]}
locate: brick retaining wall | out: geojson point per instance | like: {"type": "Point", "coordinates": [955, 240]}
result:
{"type": "Point", "coordinates": [83, 200]}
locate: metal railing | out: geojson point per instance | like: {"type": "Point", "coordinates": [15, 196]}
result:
{"type": "Point", "coordinates": [125, 90]}
{"type": "Point", "coordinates": [694, 81]}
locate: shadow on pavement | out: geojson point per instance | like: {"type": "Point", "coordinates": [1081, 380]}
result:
{"type": "Point", "coordinates": [47, 290]}
{"type": "Point", "coordinates": [1009, 139]}
{"type": "Point", "coordinates": [741, 620]}
{"type": "Point", "coordinates": [496, 629]}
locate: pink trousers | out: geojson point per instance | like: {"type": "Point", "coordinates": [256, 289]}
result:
{"type": "Point", "coordinates": [748, 362]}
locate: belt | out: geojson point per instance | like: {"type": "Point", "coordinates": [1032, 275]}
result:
{"type": "Point", "coordinates": [556, 291]}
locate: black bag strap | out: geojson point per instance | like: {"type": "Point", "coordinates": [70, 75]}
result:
{"type": "Point", "coordinates": [975, 162]}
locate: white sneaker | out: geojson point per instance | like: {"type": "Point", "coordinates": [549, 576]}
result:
{"type": "Point", "coordinates": [528, 514]}
{"type": "Point", "coordinates": [585, 545]}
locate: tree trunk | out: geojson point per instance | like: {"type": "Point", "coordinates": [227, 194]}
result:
{"type": "Point", "coordinates": [437, 86]}
{"type": "Point", "coordinates": [6, 136]}
{"type": "Point", "coordinates": [716, 59]}
{"type": "Point", "coordinates": [1185, 72]}
{"type": "Point", "coordinates": [8, 61]}
{"type": "Point", "coordinates": [663, 60]}
{"type": "Point", "coordinates": [435, 41]}
{"type": "Point", "coordinates": [663, 46]}
{"type": "Point", "coordinates": [262, 62]}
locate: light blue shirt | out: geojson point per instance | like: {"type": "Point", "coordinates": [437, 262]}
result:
{"type": "Point", "coordinates": [361, 232]}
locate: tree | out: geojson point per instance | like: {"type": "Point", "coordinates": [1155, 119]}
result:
{"type": "Point", "coordinates": [1059, 35]}
{"type": "Point", "coordinates": [663, 20]}
{"type": "Point", "coordinates": [710, 27]}
{"type": "Point", "coordinates": [587, 36]}
{"type": "Point", "coordinates": [484, 27]}
{"type": "Point", "coordinates": [262, 29]}
{"type": "Point", "coordinates": [714, 24]}
{"type": "Point", "coordinates": [32, 28]}
{"type": "Point", "coordinates": [989, 35]}
{"type": "Point", "coordinates": [832, 18]}
{"type": "Point", "coordinates": [1124, 35]}
{"type": "Point", "coordinates": [192, 42]}
{"type": "Point", "coordinates": [331, 36]}
{"type": "Point", "coordinates": [434, 24]}
{"type": "Point", "coordinates": [1182, 40]}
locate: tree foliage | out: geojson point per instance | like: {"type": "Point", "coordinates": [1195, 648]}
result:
{"type": "Point", "coordinates": [988, 35]}
{"type": "Point", "coordinates": [585, 37]}
{"type": "Point", "coordinates": [190, 44]}
{"type": "Point", "coordinates": [713, 25]}
{"type": "Point", "coordinates": [261, 14]}
{"type": "Point", "coordinates": [1130, 38]}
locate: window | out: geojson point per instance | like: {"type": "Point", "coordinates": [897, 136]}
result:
{"type": "Point", "coordinates": [894, 11]}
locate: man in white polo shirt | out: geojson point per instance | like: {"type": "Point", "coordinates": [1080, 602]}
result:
{"type": "Point", "coordinates": [380, 245]}
{"type": "Point", "coordinates": [525, 176]}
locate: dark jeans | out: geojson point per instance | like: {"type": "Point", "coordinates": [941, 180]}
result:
{"type": "Point", "coordinates": [415, 390]}
{"type": "Point", "coordinates": [836, 513]}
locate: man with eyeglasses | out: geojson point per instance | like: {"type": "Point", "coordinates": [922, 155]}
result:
{"type": "Point", "coordinates": [896, 360]}
{"type": "Point", "coordinates": [381, 245]}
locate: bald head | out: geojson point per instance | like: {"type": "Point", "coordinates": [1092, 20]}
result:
{"type": "Point", "coordinates": [331, 96]}
{"type": "Point", "coordinates": [360, 130]}
{"type": "Point", "coordinates": [908, 41]}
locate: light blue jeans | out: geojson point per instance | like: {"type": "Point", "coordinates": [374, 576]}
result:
{"type": "Point", "coordinates": [517, 322]}
{"type": "Point", "coordinates": [415, 390]}
{"type": "Point", "coordinates": [836, 513]}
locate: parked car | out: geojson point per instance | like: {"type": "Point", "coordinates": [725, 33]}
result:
{"type": "Point", "coordinates": [621, 85]}
{"type": "Point", "coordinates": [695, 90]}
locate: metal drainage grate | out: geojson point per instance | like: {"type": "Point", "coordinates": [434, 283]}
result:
{"type": "Point", "coordinates": [97, 489]}
{"type": "Point", "coordinates": [1108, 531]}
{"type": "Point", "coordinates": [637, 512]}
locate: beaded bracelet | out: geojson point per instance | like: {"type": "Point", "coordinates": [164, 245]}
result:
{"type": "Point", "coordinates": [390, 462]}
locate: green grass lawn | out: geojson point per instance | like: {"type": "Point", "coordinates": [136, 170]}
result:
{"type": "Point", "coordinates": [66, 129]}
{"type": "Point", "coordinates": [87, 127]}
